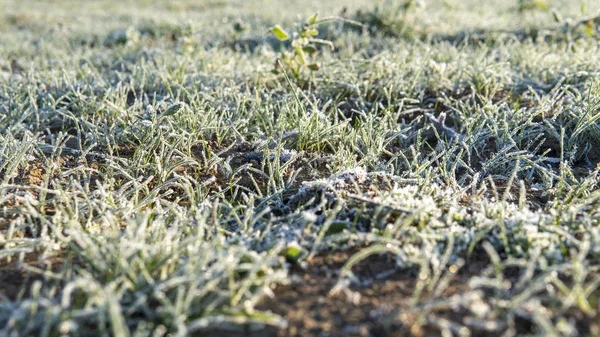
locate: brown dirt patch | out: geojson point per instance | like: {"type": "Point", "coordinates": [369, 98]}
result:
{"type": "Point", "coordinates": [14, 281]}
{"type": "Point", "coordinates": [373, 308]}
{"type": "Point", "coordinates": [312, 311]}
{"type": "Point", "coordinates": [382, 307]}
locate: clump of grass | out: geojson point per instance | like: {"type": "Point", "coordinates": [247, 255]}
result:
{"type": "Point", "coordinates": [392, 18]}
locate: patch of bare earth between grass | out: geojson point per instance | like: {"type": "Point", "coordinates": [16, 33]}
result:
{"type": "Point", "coordinates": [374, 308]}
{"type": "Point", "coordinates": [379, 306]}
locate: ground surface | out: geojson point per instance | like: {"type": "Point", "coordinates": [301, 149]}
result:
{"type": "Point", "coordinates": [420, 168]}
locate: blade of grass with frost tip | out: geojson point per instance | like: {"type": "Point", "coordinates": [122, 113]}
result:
{"type": "Point", "coordinates": [117, 320]}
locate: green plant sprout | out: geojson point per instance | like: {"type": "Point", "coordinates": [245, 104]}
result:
{"type": "Point", "coordinates": [304, 45]}
{"type": "Point", "coordinates": [527, 5]}
{"type": "Point", "coordinates": [590, 24]}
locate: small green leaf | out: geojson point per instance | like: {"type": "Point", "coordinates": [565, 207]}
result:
{"type": "Point", "coordinates": [589, 28]}
{"type": "Point", "coordinates": [557, 17]}
{"type": "Point", "coordinates": [336, 227]}
{"type": "Point", "coordinates": [301, 56]}
{"type": "Point", "coordinates": [314, 66]}
{"type": "Point", "coordinates": [532, 4]}
{"type": "Point", "coordinates": [173, 109]}
{"type": "Point", "coordinates": [313, 19]}
{"type": "Point", "coordinates": [246, 259]}
{"type": "Point", "coordinates": [543, 5]}
{"type": "Point", "coordinates": [309, 49]}
{"type": "Point", "coordinates": [293, 253]}
{"type": "Point", "coordinates": [279, 33]}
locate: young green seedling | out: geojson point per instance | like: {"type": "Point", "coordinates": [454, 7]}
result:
{"type": "Point", "coordinates": [304, 46]}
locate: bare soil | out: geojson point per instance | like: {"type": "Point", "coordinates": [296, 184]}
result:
{"type": "Point", "coordinates": [14, 281]}
{"type": "Point", "coordinates": [376, 307]}
{"type": "Point", "coordinates": [311, 310]}
{"type": "Point", "coordinates": [379, 306]}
